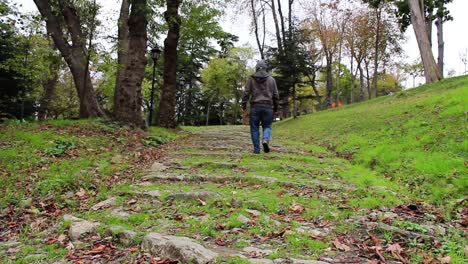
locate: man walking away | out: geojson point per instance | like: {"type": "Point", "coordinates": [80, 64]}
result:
{"type": "Point", "coordinates": [262, 93]}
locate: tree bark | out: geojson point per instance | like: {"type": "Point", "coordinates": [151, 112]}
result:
{"type": "Point", "coordinates": [255, 22]}
{"type": "Point", "coordinates": [167, 106]}
{"type": "Point", "coordinates": [431, 70]}
{"type": "Point", "coordinates": [277, 28]}
{"type": "Point", "coordinates": [49, 85]}
{"type": "Point", "coordinates": [441, 45]}
{"type": "Point", "coordinates": [280, 12]}
{"type": "Point", "coordinates": [128, 100]}
{"type": "Point", "coordinates": [74, 55]}
{"type": "Point", "coordinates": [329, 58]}
{"type": "Point", "coordinates": [376, 56]}
{"type": "Point", "coordinates": [361, 81]}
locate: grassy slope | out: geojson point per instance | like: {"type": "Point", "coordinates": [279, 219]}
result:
{"type": "Point", "coordinates": [32, 163]}
{"type": "Point", "coordinates": [47, 169]}
{"type": "Point", "coordinates": [417, 138]}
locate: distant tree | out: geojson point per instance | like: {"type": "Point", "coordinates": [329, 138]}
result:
{"type": "Point", "coordinates": [329, 35]}
{"type": "Point", "coordinates": [415, 69]}
{"type": "Point", "coordinates": [216, 85]}
{"type": "Point", "coordinates": [464, 59]}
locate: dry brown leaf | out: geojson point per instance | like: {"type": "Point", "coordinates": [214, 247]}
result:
{"type": "Point", "coordinates": [296, 208]}
{"type": "Point", "coordinates": [340, 245]}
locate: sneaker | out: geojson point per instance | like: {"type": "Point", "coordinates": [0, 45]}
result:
{"type": "Point", "coordinates": [266, 147]}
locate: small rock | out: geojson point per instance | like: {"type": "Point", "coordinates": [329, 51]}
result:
{"type": "Point", "coordinates": [153, 194]}
{"type": "Point", "coordinates": [117, 159]}
{"type": "Point", "coordinates": [301, 261]}
{"type": "Point", "coordinates": [79, 229]}
{"type": "Point", "coordinates": [9, 244]}
{"type": "Point", "coordinates": [390, 215]}
{"type": "Point", "coordinates": [244, 220]}
{"type": "Point", "coordinates": [254, 212]}
{"type": "Point", "coordinates": [119, 212]}
{"type": "Point", "coordinates": [34, 258]}
{"type": "Point", "coordinates": [126, 237]}
{"type": "Point", "coordinates": [105, 204]}
{"type": "Point", "coordinates": [192, 195]}
{"type": "Point", "coordinates": [182, 249]}
{"type": "Point", "coordinates": [280, 261]}
{"type": "Point", "coordinates": [315, 233]}
{"type": "Point", "coordinates": [436, 229]}
{"type": "Point", "coordinates": [261, 261]}
{"type": "Point", "coordinates": [26, 203]}
{"type": "Point", "coordinates": [252, 251]}
{"type": "Point", "coordinates": [71, 218]}
{"type": "Point", "coordinates": [157, 166]}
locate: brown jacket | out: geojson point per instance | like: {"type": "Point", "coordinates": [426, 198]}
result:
{"type": "Point", "coordinates": [261, 90]}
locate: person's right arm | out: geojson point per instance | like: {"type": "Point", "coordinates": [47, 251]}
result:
{"type": "Point", "coordinates": [247, 93]}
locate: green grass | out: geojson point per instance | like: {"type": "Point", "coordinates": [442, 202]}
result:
{"type": "Point", "coordinates": [50, 159]}
{"type": "Point", "coordinates": [416, 139]}
{"type": "Point", "coordinates": [49, 163]}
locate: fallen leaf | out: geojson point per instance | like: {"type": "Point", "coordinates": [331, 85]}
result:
{"type": "Point", "coordinates": [445, 260]}
{"type": "Point", "coordinates": [296, 208]}
{"type": "Point", "coordinates": [132, 201]}
{"type": "Point", "coordinates": [81, 193]}
{"type": "Point", "coordinates": [219, 242]}
{"type": "Point", "coordinates": [96, 250]}
{"type": "Point", "coordinates": [340, 245]}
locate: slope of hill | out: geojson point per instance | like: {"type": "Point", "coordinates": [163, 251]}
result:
{"type": "Point", "coordinates": [416, 138]}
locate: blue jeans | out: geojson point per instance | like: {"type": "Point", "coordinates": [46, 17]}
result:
{"type": "Point", "coordinates": [260, 115]}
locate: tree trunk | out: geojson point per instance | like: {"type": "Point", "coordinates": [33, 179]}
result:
{"type": "Point", "coordinates": [167, 106]}
{"type": "Point", "coordinates": [255, 22]}
{"type": "Point", "coordinates": [361, 80]}
{"type": "Point", "coordinates": [294, 101]}
{"type": "Point", "coordinates": [128, 100]}
{"type": "Point", "coordinates": [376, 56]}
{"type": "Point", "coordinates": [441, 45]}
{"type": "Point", "coordinates": [329, 79]}
{"type": "Point", "coordinates": [208, 109]}
{"type": "Point", "coordinates": [368, 78]}
{"type": "Point", "coordinates": [353, 81]}
{"type": "Point", "coordinates": [283, 30]}
{"type": "Point", "coordinates": [431, 70]}
{"type": "Point", "coordinates": [74, 55]}
{"type": "Point", "coordinates": [277, 28]}
{"type": "Point", "coordinates": [49, 86]}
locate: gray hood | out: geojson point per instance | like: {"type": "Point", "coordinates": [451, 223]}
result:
{"type": "Point", "coordinates": [261, 76]}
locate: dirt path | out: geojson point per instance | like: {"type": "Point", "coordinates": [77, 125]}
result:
{"type": "Point", "coordinates": [231, 206]}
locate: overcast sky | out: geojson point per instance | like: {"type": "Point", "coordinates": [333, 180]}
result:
{"type": "Point", "coordinates": [456, 39]}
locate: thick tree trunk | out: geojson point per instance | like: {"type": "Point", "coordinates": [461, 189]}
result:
{"type": "Point", "coordinates": [167, 106]}
{"type": "Point", "coordinates": [128, 100]}
{"type": "Point", "coordinates": [431, 70]}
{"type": "Point", "coordinates": [441, 45]}
{"type": "Point", "coordinates": [74, 55]}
